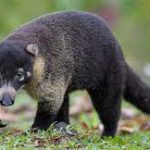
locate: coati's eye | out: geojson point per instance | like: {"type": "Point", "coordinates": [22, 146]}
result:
{"type": "Point", "coordinates": [20, 75]}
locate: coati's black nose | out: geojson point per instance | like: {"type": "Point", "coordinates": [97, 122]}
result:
{"type": "Point", "coordinates": [6, 100]}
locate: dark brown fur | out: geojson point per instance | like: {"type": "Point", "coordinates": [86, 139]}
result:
{"type": "Point", "coordinates": [78, 51]}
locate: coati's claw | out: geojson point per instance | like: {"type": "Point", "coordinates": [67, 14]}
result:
{"type": "Point", "coordinates": [34, 130]}
{"type": "Point", "coordinates": [3, 125]}
{"type": "Point", "coordinates": [71, 132]}
{"type": "Point", "coordinates": [62, 127]}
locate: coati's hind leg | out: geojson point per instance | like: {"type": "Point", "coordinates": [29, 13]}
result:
{"type": "Point", "coordinates": [108, 109]}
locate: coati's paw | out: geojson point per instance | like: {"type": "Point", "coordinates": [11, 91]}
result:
{"type": "Point", "coordinates": [40, 126]}
{"type": "Point", "coordinates": [36, 127]}
{"type": "Point", "coordinates": [2, 125]}
{"type": "Point", "coordinates": [108, 133]}
{"type": "Point", "coordinates": [63, 127]}
{"type": "Point", "coordinates": [43, 121]}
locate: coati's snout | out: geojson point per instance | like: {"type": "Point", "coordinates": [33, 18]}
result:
{"type": "Point", "coordinates": [7, 95]}
{"type": "Point", "coordinates": [7, 100]}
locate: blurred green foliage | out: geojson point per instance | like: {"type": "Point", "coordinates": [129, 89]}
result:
{"type": "Point", "coordinates": [134, 23]}
{"type": "Point", "coordinates": [15, 12]}
{"type": "Point", "coordinates": [131, 28]}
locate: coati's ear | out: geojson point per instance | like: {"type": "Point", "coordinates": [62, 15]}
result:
{"type": "Point", "coordinates": [32, 49]}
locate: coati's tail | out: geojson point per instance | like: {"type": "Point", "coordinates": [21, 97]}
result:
{"type": "Point", "coordinates": [136, 91]}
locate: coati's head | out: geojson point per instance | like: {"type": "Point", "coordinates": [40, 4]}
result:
{"type": "Point", "coordinates": [16, 68]}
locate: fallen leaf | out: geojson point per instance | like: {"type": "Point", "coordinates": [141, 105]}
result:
{"type": "Point", "coordinates": [57, 139]}
{"type": "Point", "coordinates": [125, 130]}
{"type": "Point", "coordinates": [145, 126]}
{"type": "Point", "coordinates": [38, 142]}
{"type": "Point", "coordinates": [84, 125]}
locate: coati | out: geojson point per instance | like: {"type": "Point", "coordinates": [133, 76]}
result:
{"type": "Point", "coordinates": [64, 51]}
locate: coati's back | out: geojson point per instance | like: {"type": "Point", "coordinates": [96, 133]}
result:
{"type": "Point", "coordinates": [77, 43]}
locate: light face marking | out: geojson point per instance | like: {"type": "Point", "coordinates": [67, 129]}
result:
{"type": "Point", "coordinates": [7, 89]}
{"type": "Point", "coordinates": [20, 70]}
{"type": "Point", "coordinates": [29, 74]}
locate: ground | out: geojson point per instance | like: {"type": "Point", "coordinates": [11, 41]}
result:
{"type": "Point", "coordinates": [133, 132]}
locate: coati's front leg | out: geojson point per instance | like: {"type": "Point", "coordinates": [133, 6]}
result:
{"type": "Point", "coordinates": [44, 117]}
{"type": "Point", "coordinates": [47, 112]}
{"type": "Point", "coordinates": [50, 104]}
{"type": "Point", "coordinates": [63, 115]}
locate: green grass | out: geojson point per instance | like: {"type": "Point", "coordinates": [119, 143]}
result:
{"type": "Point", "coordinates": [87, 138]}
